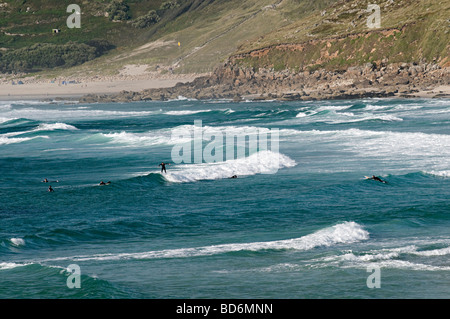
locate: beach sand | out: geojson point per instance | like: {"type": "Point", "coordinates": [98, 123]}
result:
{"type": "Point", "coordinates": [130, 78]}
{"type": "Point", "coordinates": [63, 89]}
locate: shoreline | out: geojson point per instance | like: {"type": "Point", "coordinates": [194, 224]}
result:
{"type": "Point", "coordinates": [236, 84]}
{"type": "Point", "coordinates": [442, 91]}
{"type": "Point", "coordinates": [242, 83]}
{"type": "Point", "coordinates": [75, 87]}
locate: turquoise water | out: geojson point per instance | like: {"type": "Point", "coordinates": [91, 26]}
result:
{"type": "Point", "coordinates": [300, 221]}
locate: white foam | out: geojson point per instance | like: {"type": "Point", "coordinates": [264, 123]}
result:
{"type": "Point", "coordinates": [4, 140]}
{"type": "Point", "coordinates": [407, 265]}
{"type": "Point", "coordinates": [177, 135]}
{"type": "Point", "coordinates": [263, 162]}
{"type": "Point", "coordinates": [55, 126]}
{"type": "Point", "coordinates": [439, 173]}
{"type": "Point", "coordinates": [17, 242]}
{"type": "Point", "coordinates": [410, 151]}
{"type": "Point", "coordinates": [11, 265]}
{"type": "Point", "coordinates": [186, 112]}
{"type": "Point", "coordinates": [68, 114]}
{"type": "Point", "coordinates": [434, 252]}
{"type": "Point", "coordinates": [343, 233]}
{"type": "Point", "coordinates": [10, 138]}
{"type": "Point", "coordinates": [144, 139]}
{"type": "Point", "coordinates": [333, 117]}
{"type": "Point", "coordinates": [6, 119]}
{"type": "Point", "coordinates": [394, 257]}
{"type": "Point", "coordinates": [182, 98]}
{"type": "Point", "coordinates": [5, 107]}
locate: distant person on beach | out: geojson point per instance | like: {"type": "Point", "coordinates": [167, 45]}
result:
{"type": "Point", "coordinates": [163, 167]}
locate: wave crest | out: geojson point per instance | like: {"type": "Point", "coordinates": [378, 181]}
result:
{"type": "Point", "coordinates": [263, 162]}
{"type": "Point", "coordinates": [343, 233]}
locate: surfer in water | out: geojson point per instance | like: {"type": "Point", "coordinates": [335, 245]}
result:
{"type": "Point", "coordinates": [376, 178]}
{"type": "Point", "coordinates": [234, 176]}
{"type": "Point", "coordinates": [50, 189]}
{"type": "Point", "coordinates": [163, 167]}
{"type": "Point", "coordinates": [47, 181]}
{"type": "Point", "coordinates": [103, 183]}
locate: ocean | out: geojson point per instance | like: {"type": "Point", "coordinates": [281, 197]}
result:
{"type": "Point", "coordinates": [299, 221]}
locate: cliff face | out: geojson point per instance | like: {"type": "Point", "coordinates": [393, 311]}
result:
{"type": "Point", "coordinates": [234, 82]}
{"type": "Point", "coordinates": [334, 54]}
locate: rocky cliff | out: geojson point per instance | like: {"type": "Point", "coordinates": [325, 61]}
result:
{"type": "Point", "coordinates": [233, 82]}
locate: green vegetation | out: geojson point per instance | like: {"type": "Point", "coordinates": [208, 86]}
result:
{"type": "Point", "coordinates": [147, 20]}
{"type": "Point", "coordinates": [48, 55]}
{"type": "Point", "coordinates": [316, 33]}
{"type": "Point", "coordinates": [338, 37]}
{"type": "Point", "coordinates": [169, 5]}
{"type": "Point", "coordinates": [118, 10]}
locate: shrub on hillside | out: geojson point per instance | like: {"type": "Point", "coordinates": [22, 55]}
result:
{"type": "Point", "coordinates": [146, 20]}
{"type": "Point", "coordinates": [169, 5]}
{"type": "Point", "coordinates": [48, 55]}
{"type": "Point", "coordinates": [118, 11]}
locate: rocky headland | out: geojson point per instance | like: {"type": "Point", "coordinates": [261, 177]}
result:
{"type": "Point", "coordinates": [230, 81]}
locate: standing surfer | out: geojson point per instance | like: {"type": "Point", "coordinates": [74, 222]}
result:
{"type": "Point", "coordinates": [163, 167]}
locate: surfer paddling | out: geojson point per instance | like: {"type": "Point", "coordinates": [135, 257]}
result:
{"type": "Point", "coordinates": [376, 178]}
{"type": "Point", "coordinates": [47, 181]}
{"type": "Point", "coordinates": [163, 167]}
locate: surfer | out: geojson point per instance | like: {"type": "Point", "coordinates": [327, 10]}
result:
{"type": "Point", "coordinates": [376, 178]}
{"type": "Point", "coordinates": [234, 176]}
{"type": "Point", "coordinates": [103, 183]}
{"type": "Point", "coordinates": [50, 189]}
{"type": "Point", "coordinates": [47, 181]}
{"type": "Point", "coordinates": [163, 167]}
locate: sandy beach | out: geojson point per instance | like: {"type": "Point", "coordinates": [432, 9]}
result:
{"type": "Point", "coordinates": [131, 78]}
{"type": "Point", "coordinates": [65, 89]}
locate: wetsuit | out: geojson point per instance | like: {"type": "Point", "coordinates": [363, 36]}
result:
{"type": "Point", "coordinates": [378, 179]}
{"type": "Point", "coordinates": [163, 167]}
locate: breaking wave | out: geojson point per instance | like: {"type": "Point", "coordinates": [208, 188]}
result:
{"type": "Point", "coordinates": [343, 233]}
{"type": "Point", "coordinates": [263, 162]}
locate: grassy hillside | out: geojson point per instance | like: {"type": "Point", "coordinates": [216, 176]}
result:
{"type": "Point", "coordinates": [196, 35]}
{"type": "Point", "coordinates": [26, 22]}
{"type": "Point", "coordinates": [208, 30]}
{"type": "Point", "coordinates": [338, 37]}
